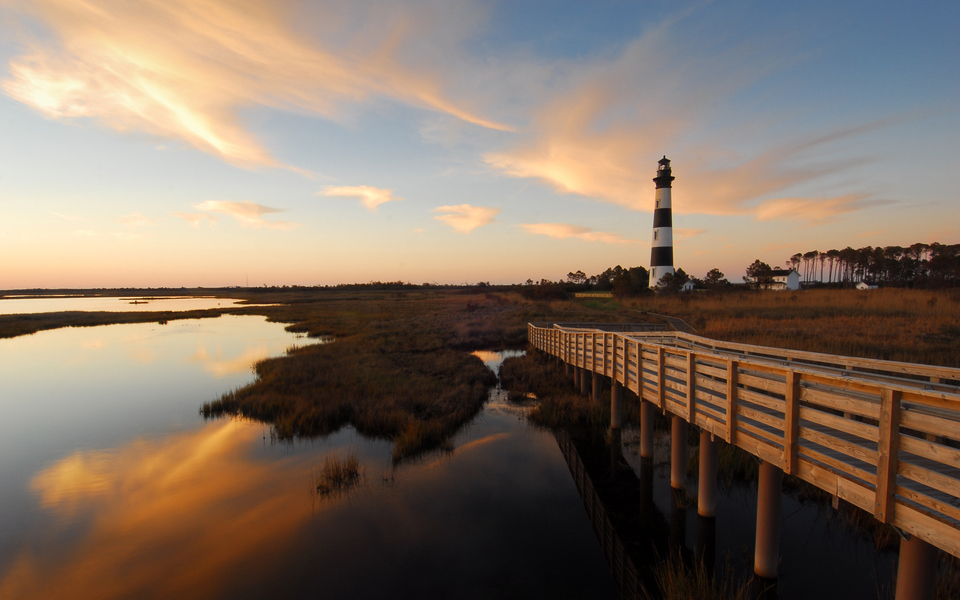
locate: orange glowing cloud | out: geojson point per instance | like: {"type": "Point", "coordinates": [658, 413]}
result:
{"type": "Point", "coordinates": [815, 210]}
{"type": "Point", "coordinates": [369, 196]}
{"type": "Point", "coordinates": [248, 214]}
{"type": "Point", "coordinates": [182, 69]}
{"type": "Point", "coordinates": [564, 231]}
{"type": "Point", "coordinates": [465, 218]}
{"type": "Point", "coordinates": [600, 134]}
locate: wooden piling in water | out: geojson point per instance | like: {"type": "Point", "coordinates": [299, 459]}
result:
{"type": "Point", "coordinates": [769, 493]}
{"type": "Point", "coordinates": [616, 405]}
{"type": "Point", "coordinates": [646, 429]}
{"type": "Point", "coordinates": [678, 453]}
{"type": "Point", "coordinates": [707, 492]}
{"type": "Point", "coordinates": [917, 570]}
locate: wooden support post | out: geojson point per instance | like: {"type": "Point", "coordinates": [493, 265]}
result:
{"type": "Point", "coordinates": [586, 378]}
{"type": "Point", "coordinates": [791, 432]}
{"type": "Point", "coordinates": [616, 405]}
{"type": "Point", "coordinates": [707, 492]}
{"type": "Point", "coordinates": [596, 387]}
{"type": "Point", "coordinates": [639, 371]}
{"type": "Point", "coordinates": [732, 402]}
{"type": "Point", "coordinates": [646, 429]}
{"type": "Point", "coordinates": [661, 378]}
{"type": "Point", "coordinates": [678, 453]}
{"type": "Point", "coordinates": [593, 353]}
{"type": "Point", "coordinates": [769, 492]}
{"type": "Point", "coordinates": [576, 377]}
{"type": "Point", "coordinates": [917, 570]}
{"type": "Point", "coordinates": [604, 354]}
{"type": "Point", "coordinates": [691, 388]}
{"type": "Point", "coordinates": [889, 447]}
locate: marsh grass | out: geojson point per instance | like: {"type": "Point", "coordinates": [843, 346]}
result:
{"type": "Point", "coordinates": [921, 326]}
{"type": "Point", "coordinates": [399, 368]}
{"type": "Point", "coordinates": [948, 577]}
{"type": "Point", "coordinates": [16, 325]}
{"type": "Point", "coordinates": [336, 475]}
{"type": "Point", "coordinates": [678, 579]}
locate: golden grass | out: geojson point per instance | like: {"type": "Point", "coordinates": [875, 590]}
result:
{"type": "Point", "coordinates": [336, 475]}
{"type": "Point", "coordinates": [398, 368]}
{"type": "Point", "coordinates": [921, 326]}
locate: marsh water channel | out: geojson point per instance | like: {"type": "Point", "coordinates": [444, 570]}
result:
{"type": "Point", "coordinates": [112, 486]}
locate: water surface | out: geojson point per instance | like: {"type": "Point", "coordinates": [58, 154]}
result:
{"type": "Point", "coordinates": [113, 487]}
{"type": "Point", "coordinates": [13, 305]}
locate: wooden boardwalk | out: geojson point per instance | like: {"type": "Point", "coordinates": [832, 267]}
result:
{"type": "Point", "coordinates": [882, 435]}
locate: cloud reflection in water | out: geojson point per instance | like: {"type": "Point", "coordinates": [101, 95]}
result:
{"type": "Point", "coordinates": [161, 518]}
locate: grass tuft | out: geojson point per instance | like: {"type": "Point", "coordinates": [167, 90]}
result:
{"type": "Point", "coordinates": [337, 475]}
{"type": "Point", "coordinates": [678, 580]}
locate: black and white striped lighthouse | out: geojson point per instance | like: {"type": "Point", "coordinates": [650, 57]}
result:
{"type": "Point", "coordinates": [661, 252]}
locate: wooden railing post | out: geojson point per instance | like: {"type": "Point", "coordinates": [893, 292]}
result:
{"type": "Point", "coordinates": [640, 372]}
{"type": "Point", "coordinates": [691, 387]}
{"type": "Point", "coordinates": [888, 448]}
{"type": "Point", "coordinates": [661, 378]}
{"type": "Point", "coordinates": [732, 401]}
{"type": "Point", "coordinates": [791, 430]}
{"type": "Point", "coordinates": [605, 354]}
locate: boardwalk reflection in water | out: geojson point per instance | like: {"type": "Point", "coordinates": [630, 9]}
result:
{"type": "Point", "coordinates": [621, 509]}
{"type": "Point", "coordinates": [639, 520]}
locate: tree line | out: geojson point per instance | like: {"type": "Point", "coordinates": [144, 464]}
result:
{"type": "Point", "coordinates": [920, 265]}
{"type": "Point", "coordinates": [621, 282]}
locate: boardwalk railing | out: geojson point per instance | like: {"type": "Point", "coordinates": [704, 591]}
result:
{"type": "Point", "coordinates": [882, 435]}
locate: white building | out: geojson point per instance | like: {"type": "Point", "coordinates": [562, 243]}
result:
{"type": "Point", "coordinates": [783, 280]}
{"type": "Point", "coordinates": [863, 285]}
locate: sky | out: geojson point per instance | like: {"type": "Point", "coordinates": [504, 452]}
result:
{"type": "Point", "coordinates": [168, 143]}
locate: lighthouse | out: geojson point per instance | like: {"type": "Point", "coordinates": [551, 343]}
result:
{"type": "Point", "coordinates": [661, 251]}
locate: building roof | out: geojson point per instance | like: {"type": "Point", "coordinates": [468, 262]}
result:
{"type": "Point", "coordinates": [780, 272]}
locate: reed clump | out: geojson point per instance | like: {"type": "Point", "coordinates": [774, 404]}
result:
{"type": "Point", "coordinates": [337, 475]}
{"type": "Point", "coordinates": [678, 579]}
{"type": "Point", "coordinates": [399, 368]}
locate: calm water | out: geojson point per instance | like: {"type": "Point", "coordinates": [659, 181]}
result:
{"type": "Point", "coordinates": [48, 304]}
{"type": "Point", "coordinates": [112, 487]}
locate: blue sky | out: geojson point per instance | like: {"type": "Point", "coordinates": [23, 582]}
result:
{"type": "Point", "coordinates": [169, 143]}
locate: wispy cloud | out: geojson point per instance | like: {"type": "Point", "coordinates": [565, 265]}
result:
{"type": "Point", "coordinates": [196, 219]}
{"type": "Point", "coordinates": [370, 196]}
{"type": "Point", "coordinates": [565, 231]}
{"type": "Point", "coordinates": [815, 210]}
{"type": "Point", "coordinates": [201, 62]}
{"type": "Point", "coordinates": [248, 214]}
{"type": "Point", "coordinates": [465, 218]}
{"type": "Point", "coordinates": [599, 130]}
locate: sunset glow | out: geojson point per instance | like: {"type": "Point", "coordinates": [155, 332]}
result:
{"type": "Point", "coordinates": [181, 143]}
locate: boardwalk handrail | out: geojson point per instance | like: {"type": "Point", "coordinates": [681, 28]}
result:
{"type": "Point", "coordinates": [882, 435]}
